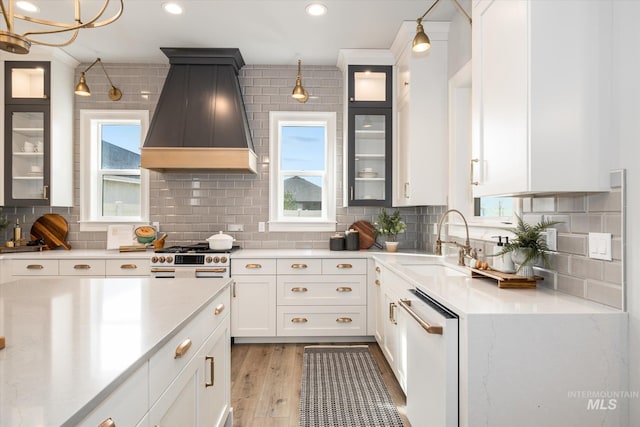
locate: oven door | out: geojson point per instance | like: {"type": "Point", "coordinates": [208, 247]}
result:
{"type": "Point", "coordinates": [432, 363]}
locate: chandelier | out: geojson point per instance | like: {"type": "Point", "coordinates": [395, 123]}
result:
{"type": "Point", "coordinates": [13, 42]}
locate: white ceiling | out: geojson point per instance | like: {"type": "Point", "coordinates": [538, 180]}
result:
{"type": "Point", "coordinates": [266, 31]}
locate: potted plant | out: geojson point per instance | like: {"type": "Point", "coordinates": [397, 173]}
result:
{"type": "Point", "coordinates": [389, 226]}
{"type": "Point", "coordinates": [3, 221]}
{"type": "Point", "coordinates": [528, 245]}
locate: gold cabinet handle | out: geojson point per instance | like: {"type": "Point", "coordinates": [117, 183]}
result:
{"type": "Point", "coordinates": [128, 266]}
{"type": "Point", "coordinates": [471, 181]}
{"type": "Point", "coordinates": [107, 423]}
{"type": "Point", "coordinates": [377, 269]}
{"type": "Point", "coordinates": [44, 195]}
{"type": "Point", "coordinates": [233, 288]}
{"type": "Point", "coordinates": [301, 266]}
{"type": "Point", "coordinates": [377, 282]}
{"type": "Point", "coordinates": [299, 289]}
{"type": "Point", "coordinates": [219, 309]}
{"type": "Point", "coordinates": [82, 267]}
{"type": "Point", "coordinates": [344, 289]}
{"type": "Point", "coordinates": [344, 320]}
{"type": "Point", "coordinates": [432, 329]}
{"type": "Point", "coordinates": [299, 320]}
{"type": "Point", "coordinates": [392, 309]}
{"type": "Point", "coordinates": [344, 266]}
{"type": "Point", "coordinates": [253, 266]}
{"type": "Point", "coordinates": [35, 267]}
{"type": "Point", "coordinates": [182, 349]}
{"type": "Point", "coordinates": [212, 377]}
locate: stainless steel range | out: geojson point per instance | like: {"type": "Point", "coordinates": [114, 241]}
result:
{"type": "Point", "coordinates": [191, 261]}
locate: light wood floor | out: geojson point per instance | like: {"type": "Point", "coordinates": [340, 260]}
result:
{"type": "Point", "coordinates": [265, 384]}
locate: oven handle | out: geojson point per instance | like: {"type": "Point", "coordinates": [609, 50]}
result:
{"type": "Point", "coordinates": [211, 270]}
{"type": "Point", "coordinates": [431, 329]}
{"type": "Point", "coordinates": [163, 270]}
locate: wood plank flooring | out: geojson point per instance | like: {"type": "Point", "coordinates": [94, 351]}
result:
{"type": "Point", "coordinates": [265, 384]}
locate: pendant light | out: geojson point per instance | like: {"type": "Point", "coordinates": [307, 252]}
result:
{"type": "Point", "coordinates": [299, 93]}
{"type": "Point", "coordinates": [421, 42]}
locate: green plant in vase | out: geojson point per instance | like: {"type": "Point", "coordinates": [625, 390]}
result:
{"type": "Point", "coordinates": [389, 226]}
{"type": "Point", "coordinates": [3, 221]}
{"type": "Point", "coordinates": [528, 245]}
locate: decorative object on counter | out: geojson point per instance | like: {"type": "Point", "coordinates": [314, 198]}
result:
{"type": "Point", "coordinates": [2, 342]}
{"type": "Point", "coordinates": [389, 226]}
{"type": "Point", "coordinates": [3, 221]}
{"type": "Point", "coordinates": [341, 385]}
{"type": "Point", "coordinates": [52, 229]}
{"type": "Point", "coordinates": [507, 280]}
{"type": "Point", "coordinates": [17, 232]}
{"type": "Point", "coordinates": [299, 93]}
{"type": "Point", "coordinates": [352, 237]}
{"type": "Point", "coordinates": [145, 234]}
{"type": "Point", "coordinates": [337, 242]}
{"type": "Point", "coordinates": [82, 88]}
{"type": "Point", "coordinates": [21, 43]}
{"type": "Point", "coordinates": [529, 245]}
{"type": "Point", "coordinates": [502, 262]}
{"type": "Point", "coordinates": [367, 234]}
{"type": "Point", "coordinates": [11, 248]}
{"type": "Point", "coordinates": [421, 42]}
{"type": "Point", "coordinates": [220, 241]}
{"type": "Point", "coordinates": [159, 242]}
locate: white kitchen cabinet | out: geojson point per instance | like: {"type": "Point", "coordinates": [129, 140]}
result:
{"type": "Point", "coordinates": [421, 137]}
{"type": "Point", "coordinates": [129, 267]}
{"type": "Point", "coordinates": [82, 267]}
{"type": "Point", "coordinates": [541, 102]}
{"type": "Point", "coordinates": [253, 298]}
{"type": "Point", "coordinates": [34, 267]}
{"type": "Point", "coordinates": [378, 303]}
{"type": "Point", "coordinates": [87, 267]}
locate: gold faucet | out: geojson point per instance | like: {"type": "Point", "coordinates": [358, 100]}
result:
{"type": "Point", "coordinates": [464, 249]}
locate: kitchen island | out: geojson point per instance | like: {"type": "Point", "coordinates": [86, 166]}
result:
{"type": "Point", "coordinates": [75, 347]}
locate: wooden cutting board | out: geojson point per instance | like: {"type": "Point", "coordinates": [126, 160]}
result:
{"type": "Point", "coordinates": [53, 229]}
{"type": "Point", "coordinates": [367, 233]}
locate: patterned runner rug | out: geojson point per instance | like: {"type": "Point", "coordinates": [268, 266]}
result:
{"type": "Point", "coordinates": [342, 387]}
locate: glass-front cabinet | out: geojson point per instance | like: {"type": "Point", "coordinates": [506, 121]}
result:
{"type": "Point", "coordinates": [27, 116]}
{"type": "Point", "coordinates": [369, 135]}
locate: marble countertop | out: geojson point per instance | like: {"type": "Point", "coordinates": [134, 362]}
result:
{"type": "Point", "coordinates": [71, 341]}
{"type": "Point", "coordinates": [77, 254]}
{"type": "Point", "coordinates": [453, 287]}
{"type": "Point", "coordinates": [300, 253]}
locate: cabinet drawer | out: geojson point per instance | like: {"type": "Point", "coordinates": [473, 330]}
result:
{"type": "Point", "coordinates": [253, 266]}
{"type": "Point", "coordinates": [322, 321]}
{"type": "Point", "coordinates": [299, 266]}
{"type": "Point", "coordinates": [126, 405]}
{"type": "Point", "coordinates": [322, 290]}
{"type": "Point", "coordinates": [82, 267]}
{"type": "Point", "coordinates": [344, 266]}
{"type": "Point", "coordinates": [34, 267]}
{"type": "Point", "coordinates": [164, 366]}
{"type": "Point", "coordinates": [128, 267]}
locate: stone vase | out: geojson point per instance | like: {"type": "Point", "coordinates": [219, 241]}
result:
{"type": "Point", "coordinates": [391, 246]}
{"type": "Point", "coordinates": [526, 270]}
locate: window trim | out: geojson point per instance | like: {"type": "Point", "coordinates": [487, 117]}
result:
{"type": "Point", "coordinates": [88, 154]}
{"type": "Point", "coordinates": [302, 118]}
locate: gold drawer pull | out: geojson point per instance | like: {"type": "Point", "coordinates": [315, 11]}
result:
{"type": "Point", "coordinates": [344, 289]}
{"type": "Point", "coordinates": [182, 349]}
{"type": "Point", "coordinates": [253, 266]}
{"type": "Point", "coordinates": [377, 269]}
{"type": "Point", "coordinates": [344, 266]}
{"type": "Point", "coordinates": [212, 377]}
{"type": "Point", "coordinates": [219, 309]}
{"type": "Point", "coordinates": [128, 266]}
{"type": "Point", "coordinates": [107, 423]}
{"type": "Point", "coordinates": [82, 267]}
{"type": "Point", "coordinates": [303, 266]}
{"type": "Point", "coordinates": [344, 320]}
{"type": "Point", "coordinates": [35, 267]}
{"type": "Point", "coordinates": [377, 282]}
{"type": "Point", "coordinates": [299, 289]}
{"type": "Point", "coordinates": [299, 320]}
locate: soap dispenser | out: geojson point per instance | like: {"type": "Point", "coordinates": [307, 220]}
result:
{"type": "Point", "coordinates": [507, 262]}
{"type": "Point", "coordinates": [498, 260]}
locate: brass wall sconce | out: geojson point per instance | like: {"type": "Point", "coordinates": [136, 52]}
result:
{"type": "Point", "coordinates": [421, 42]}
{"type": "Point", "coordinates": [82, 88]}
{"type": "Point", "coordinates": [299, 93]}
{"type": "Point", "coordinates": [21, 43]}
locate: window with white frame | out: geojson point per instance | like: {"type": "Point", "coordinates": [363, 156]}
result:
{"type": "Point", "coordinates": [113, 187]}
{"type": "Point", "coordinates": [302, 175]}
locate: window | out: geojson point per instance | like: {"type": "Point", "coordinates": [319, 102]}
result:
{"type": "Point", "coordinates": [302, 184]}
{"type": "Point", "coordinates": [113, 187]}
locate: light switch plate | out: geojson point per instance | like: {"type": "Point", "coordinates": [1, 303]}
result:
{"type": "Point", "coordinates": [551, 235]}
{"type": "Point", "coordinates": [600, 246]}
{"type": "Point", "coordinates": [236, 227]}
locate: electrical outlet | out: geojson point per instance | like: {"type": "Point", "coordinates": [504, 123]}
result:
{"type": "Point", "coordinates": [600, 246]}
{"type": "Point", "coordinates": [551, 236]}
{"type": "Point", "coordinates": [261, 227]}
{"type": "Point", "coordinates": [236, 227]}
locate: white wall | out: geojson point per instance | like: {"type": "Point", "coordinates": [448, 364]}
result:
{"type": "Point", "coordinates": [626, 131]}
{"type": "Point", "coordinates": [459, 40]}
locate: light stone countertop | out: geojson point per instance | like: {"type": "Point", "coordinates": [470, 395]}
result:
{"type": "Point", "coordinates": [77, 254]}
{"type": "Point", "coordinates": [70, 342]}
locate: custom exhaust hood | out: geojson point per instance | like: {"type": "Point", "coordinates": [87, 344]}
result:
{"type": "Point", "coordinates": [200, 123]}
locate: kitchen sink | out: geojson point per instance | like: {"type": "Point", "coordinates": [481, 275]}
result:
{"type": "Point", "coordinates": [434, 270]}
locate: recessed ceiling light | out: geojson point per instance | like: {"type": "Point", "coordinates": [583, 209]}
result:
{"type": "Point", "coordinates": [316, 9]}
{"type": "Point", "coordinates": [27, 6]}
{"type": "Point", "coordinates": [172, 8]}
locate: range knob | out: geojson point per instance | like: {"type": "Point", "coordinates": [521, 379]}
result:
{"type": "Point", "coordinates": [208, 260]}
{"type": "Point", "coordinates": [216, 259]}
{"type": "Point", "coordinates": [169, 259]}
{"type": "Point", "coordinates": [154, 259]}
{"type": "Point", "coordinates": [161, 259]}
{"type": "Point", "coordinates": [223, 259]}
